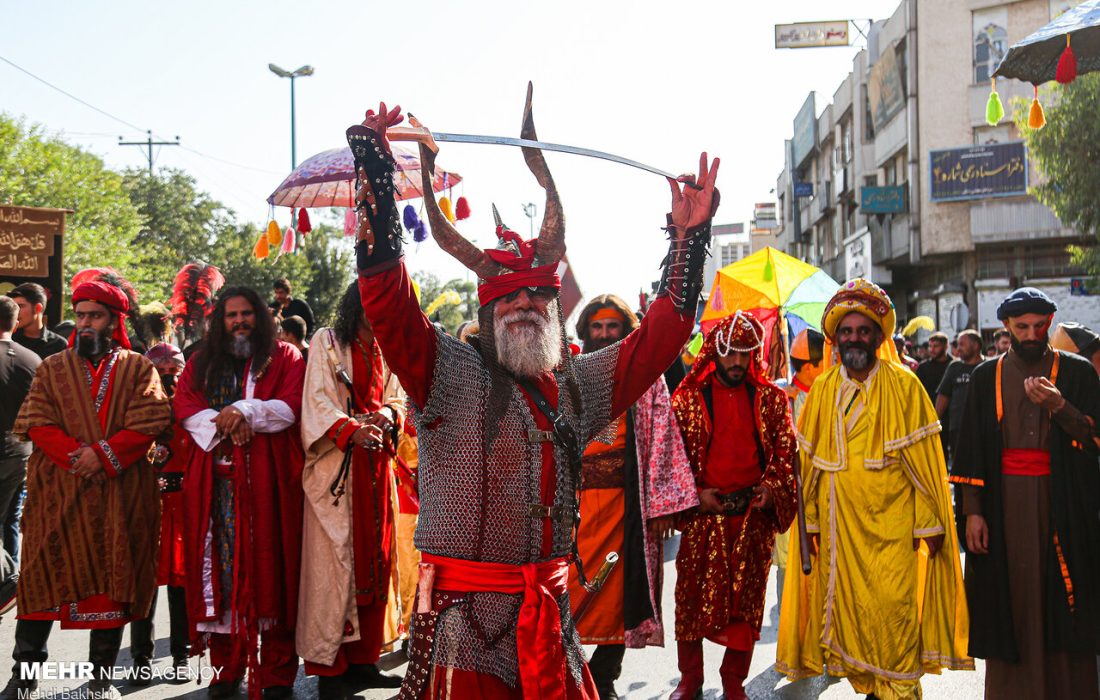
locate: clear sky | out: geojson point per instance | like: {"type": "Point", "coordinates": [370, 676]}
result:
{"type": "Point", "coordinates": [656, 82]}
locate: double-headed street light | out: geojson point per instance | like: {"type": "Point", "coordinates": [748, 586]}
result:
{"type": "Point", "coordinates": [300, 73]}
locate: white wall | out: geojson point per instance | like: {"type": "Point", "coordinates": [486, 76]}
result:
{"type": "Point", "coordinates": [1083, 310]}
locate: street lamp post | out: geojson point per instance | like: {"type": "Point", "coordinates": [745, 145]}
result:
{"type": "Point", "coordinates": [530, 209]}
{"type": "Point", "coordinates": [300, 73]}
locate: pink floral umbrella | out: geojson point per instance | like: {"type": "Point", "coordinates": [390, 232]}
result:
{"type": "Point", "coordinates": [328, 180]}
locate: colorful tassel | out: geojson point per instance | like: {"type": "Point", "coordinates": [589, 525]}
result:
{"type": "Point", "coordinates": [994, 109]}
{"type": "Point", "coordinates": [462, 209]}
{"type": "Point", "coordinates": [1067, 65]}
{"type": "Point", "coordinates": [261, 250]}
{"type": "Point", "coordinates": [303, 222]}
{"type": "Point", "coordinates": [1036, 119]}
{"type": "Point", "coordinates": [274, 234]}
{"type": "Point", "coordinates": [288, 242]}
{"type": "Point", "coordinates": [445, 207]}
{"type": "Point", "coordinates": [351, 222]}
{"type": "Point", "coordinates": [409, 217]}
{"type": "Point", "coordinates": [420, 232]}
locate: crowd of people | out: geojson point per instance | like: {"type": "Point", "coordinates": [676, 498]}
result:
{"type": "Point", "coordinates": [493, 501]}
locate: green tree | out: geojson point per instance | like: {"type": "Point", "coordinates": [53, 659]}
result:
{"type": "Point", "coordinates": [40, 170]}
{"type": "Point", "coordinates": [1067, 153]}
{"type": "Point", "coordinates": [180, 223]}
{"type": "Point", "coordinates": [451, 316]}
{"type": "Point", "coordinates": [319, 272]}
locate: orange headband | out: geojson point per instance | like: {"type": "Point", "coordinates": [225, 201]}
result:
{"type": "Point", "coordinates": [608, 313]}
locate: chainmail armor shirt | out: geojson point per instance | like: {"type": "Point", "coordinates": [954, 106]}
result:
{"type": "Point", "coordinates": [475, 500]}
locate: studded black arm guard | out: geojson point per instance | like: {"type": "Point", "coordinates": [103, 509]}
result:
{"type": "Point", "coordinates": [682, 279]}
{"type": "Point", "coordinates": [374, 168]}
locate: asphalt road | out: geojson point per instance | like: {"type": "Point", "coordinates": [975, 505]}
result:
{"type": "Point", "coordinates": [648, 674]}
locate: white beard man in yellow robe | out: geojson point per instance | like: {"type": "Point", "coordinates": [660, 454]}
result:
{"type": "Point", "coordinates": [884, 603]}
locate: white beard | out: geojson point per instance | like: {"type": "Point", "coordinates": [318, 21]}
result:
{"type": "Point", "coordinates": [528, 351]}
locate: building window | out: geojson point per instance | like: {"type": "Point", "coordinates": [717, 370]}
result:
{"type": "Point", "coordinates": [990, 42]}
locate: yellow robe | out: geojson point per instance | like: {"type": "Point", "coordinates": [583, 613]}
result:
{"type": "Point", "coordinates": [873, 609]}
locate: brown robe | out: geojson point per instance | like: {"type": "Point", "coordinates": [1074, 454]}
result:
{"type": "Point", "coordinates": [88, 537]}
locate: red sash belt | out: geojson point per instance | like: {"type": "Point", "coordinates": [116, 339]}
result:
{"type": "Point", "coordinates": [1025, 462]}
{"type": "Point", "coordinates": [538, 632]}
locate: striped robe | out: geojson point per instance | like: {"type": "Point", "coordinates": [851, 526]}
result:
{"type": "Point", "coordinates": [90, 545]}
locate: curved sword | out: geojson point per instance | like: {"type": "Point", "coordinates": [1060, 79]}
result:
{"type": "Point", "coordinates": [423, 136]}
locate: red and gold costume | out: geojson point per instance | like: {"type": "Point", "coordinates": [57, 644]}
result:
{"type": "Point", "coordinates": [736, 437]}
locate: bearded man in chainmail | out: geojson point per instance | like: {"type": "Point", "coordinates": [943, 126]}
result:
{"type": "Point", "coordinates": [502, 423]}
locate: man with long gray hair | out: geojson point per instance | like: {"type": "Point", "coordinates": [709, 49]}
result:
{"type": "Point", "coordinates": [502, 423]}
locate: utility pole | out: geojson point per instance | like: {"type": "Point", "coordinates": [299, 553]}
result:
{"type": "Point", "coordinates": [148, 144]}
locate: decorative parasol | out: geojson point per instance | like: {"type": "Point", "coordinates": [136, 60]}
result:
{"type": "Point", "coordinates": [773, 286]}
{"type": "Point", "coordinates": [1060, 50]}
{"type": "Point", "coordinates": [328, 180]}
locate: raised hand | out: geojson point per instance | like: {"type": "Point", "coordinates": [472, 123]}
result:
{"type": "Point", "coordinates": [697, 202]}
{"type": "Point", "coordinates": [383, 119]}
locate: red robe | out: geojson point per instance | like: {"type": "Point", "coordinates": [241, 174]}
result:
{"type": "Point", "coordinates": [268, 500]}
{"type": "Point", "coordinates": [170, 564]}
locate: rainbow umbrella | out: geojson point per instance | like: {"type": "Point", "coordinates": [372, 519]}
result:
{"type": "Point", "coordinates": [773, 286]}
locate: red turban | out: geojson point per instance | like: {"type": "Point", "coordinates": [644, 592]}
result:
{"type": "Point", "coordinates": [110, 296]}
{"type": "Point", "coordinates": [523, 272]}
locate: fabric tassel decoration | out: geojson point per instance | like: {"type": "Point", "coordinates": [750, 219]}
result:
{"type": "Point", "coordinates": [994, 109]}
{"type": "Point", "coordinates": [1036, 119]}
{"type": "Point", "coordinates": [274, 234]}
{"type": "Point", "coordinates": [261, 250]}
{"type": "Point", "coordinates": [420, 232]}
{"type": "Point", "coordinates": [288, 242]}
{"type": "Point", "coordinates": [445, 207]}
{"type": "Point", "coordinates": [351, 222]}
{"type": "Point", "coordinates": [303, 222]}
{"type": "Point", "coordinates": [409, 218]}
{"type": "Point", "coordinates": [1067, 65]}
{"type": "Point", "coordinates": [462, 209]}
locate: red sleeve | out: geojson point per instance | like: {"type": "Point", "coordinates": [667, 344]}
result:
{"type": "Point", "coordinates": [187, 401]}
{"type": "Point", "coordinates": [128, 447]}
{"type": "Point", "coordinates": [341, 431]}
{"type": "Point", "coordinates": [404, 333]}
{"type": "Point", "coordinates": [291, 379]}
{"type": "Point", "coordinates": [646, 353]}
{"type": "Point", "coordinates": [55, 443]}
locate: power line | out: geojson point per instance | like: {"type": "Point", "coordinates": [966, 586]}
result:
{"type": "Point", "coordinates": [70, 95]}
{"type": "Point", "coordinates": [229, 162]}
{"type": "Point", "coordinates": [126, 123]}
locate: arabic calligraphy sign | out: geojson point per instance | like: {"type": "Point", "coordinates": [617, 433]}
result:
{"type": "Point", "coordinates": [882, 200]}
{"type": "Point", "coordinates": [804, 35]}
{"type": "Point", "coordinates": [976, 172]}
{"type": "Point", "coordinates": [30, 250]}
